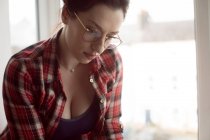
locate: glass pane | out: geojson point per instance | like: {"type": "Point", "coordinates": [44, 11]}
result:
{"type": "Point", "coordinates": [23, 23]}
{"type": "Point", "coordinates": [159, 99]}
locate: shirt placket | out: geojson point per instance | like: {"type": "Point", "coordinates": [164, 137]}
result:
{"type": "Point", "coordinates": [102, 102]}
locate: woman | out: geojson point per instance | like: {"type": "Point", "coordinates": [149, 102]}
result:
{"type": "Point", "coordinates": [69, 86]}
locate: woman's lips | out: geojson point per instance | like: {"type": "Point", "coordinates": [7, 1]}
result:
{"type": "Point", "coordinates": [90, 56]}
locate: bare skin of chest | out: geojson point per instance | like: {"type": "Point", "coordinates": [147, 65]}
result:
{"type": "Point", "coordinates": [78, 90]}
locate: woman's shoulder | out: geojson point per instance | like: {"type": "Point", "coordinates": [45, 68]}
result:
{"type": "Point", "coordinates": [112, 61]}
{"type": "Point", "coordinates": [30, 57]}
{"type": "Point", "coordinates": [31, 52]}
{"type": "Point", "coordinates": [111, 57]}
{"type": "Point", "coordinates": [111, 54]}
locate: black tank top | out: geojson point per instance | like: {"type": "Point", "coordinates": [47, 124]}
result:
{"type": "Point", "coordinates": [72, 129]}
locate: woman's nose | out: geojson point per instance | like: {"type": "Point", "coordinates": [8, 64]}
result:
{"type": "Point", "coordinates": [99, 45]}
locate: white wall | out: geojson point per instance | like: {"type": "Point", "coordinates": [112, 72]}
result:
{"type": "Point", "coordinates": [202, 24]}
{"type": "Point", "coordinates": [5, 52]}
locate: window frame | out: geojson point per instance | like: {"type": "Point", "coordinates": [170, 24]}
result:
{"type": "Point", "coordinates": [202, 30]}
{"type": "Point", "coordinates": [5, 52]}
{"type": "Point", "coordinates": [48, 17]}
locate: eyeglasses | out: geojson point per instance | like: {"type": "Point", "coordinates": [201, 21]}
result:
{"type": "Point", "coordinates": [92, 35]}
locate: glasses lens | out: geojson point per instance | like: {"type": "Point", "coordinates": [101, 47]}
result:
{"type": "Point", "coordinates": [112, 43]}
{"type": "Point", "coordinates": [92, 35]}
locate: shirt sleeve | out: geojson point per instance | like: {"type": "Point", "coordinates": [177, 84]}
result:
{"type": "Point", "coordinates": [23, 120]}
{"type": "Point", "coordinates": [112, 126]}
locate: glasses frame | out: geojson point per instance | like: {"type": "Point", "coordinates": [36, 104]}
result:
{"type": "Point", "coordinates": [110, 46]}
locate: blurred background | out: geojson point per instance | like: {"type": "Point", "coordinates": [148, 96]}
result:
{"type": "Point", "coordinates": [159, 99]}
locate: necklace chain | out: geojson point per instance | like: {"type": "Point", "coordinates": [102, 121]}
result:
{"type": "Point", "coordinates": [61, 64]}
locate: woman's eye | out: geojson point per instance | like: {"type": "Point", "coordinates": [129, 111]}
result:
{"type": "Point", "coordinates": [109, 37]}
{"type": "Point", "coordinates": [91, 30]}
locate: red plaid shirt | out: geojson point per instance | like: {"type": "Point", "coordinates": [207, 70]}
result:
{"type": "Point", "coordinates": [33, 98]}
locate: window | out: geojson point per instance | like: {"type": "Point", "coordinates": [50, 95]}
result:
{"type": "Point", "coordinates": [23, 32]}
{"type": "Point", "coordinates": [159, 100]}
{"type": "Point", "coordinates": [23, 23]}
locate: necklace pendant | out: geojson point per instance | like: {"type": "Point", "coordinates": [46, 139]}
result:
{"type": "Point", "coordinates": [71, 70]}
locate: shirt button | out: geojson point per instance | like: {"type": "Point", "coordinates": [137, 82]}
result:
{"type": "Point", "coordinates": [121, 126]}
{"type": "Point", "coordinates": [91, 80]}
{"type": "Point", "coordinates": [102, 101]}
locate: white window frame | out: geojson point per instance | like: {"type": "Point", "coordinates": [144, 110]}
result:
{"type": "Point", "coordinates": [5, 51]}
{"type": "Point", "coordinates": [202, 30]}
{"type": "Point", "coordinates": [48, 13]}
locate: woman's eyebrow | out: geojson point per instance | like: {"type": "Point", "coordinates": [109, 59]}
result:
{"type": "Point", "coordinates": [101, 29]}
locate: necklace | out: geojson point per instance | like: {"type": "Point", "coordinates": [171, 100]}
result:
{"type": "Point", "coordinates": [68, 69]}
{"type": "Point", "coordinates": [61, 64]}
{"type": "Point", "coordinates": [71, 70]}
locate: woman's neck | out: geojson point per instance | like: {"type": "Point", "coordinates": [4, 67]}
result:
{"type": "Point", "coordinates": [65, 58]}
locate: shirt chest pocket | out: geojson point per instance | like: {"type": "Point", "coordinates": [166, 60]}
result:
{"type": "Point", "coordinates": [49, 97]}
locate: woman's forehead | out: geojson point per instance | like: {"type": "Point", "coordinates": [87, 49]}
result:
{"type": "Point", "coordinates": [105, 17]}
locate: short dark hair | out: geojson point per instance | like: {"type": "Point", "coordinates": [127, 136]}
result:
{"type": "Point", "coordinates": [84, 5]}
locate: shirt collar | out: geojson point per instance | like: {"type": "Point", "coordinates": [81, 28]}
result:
{"type": "Point", "coordinates": [50, 64]}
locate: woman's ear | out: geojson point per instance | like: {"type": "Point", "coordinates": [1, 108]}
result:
{"type": "Point", "coordinates": [64, 15]}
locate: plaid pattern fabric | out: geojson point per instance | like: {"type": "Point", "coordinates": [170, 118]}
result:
{"type": "Point", "coordinates": [33, 98]}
